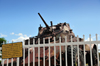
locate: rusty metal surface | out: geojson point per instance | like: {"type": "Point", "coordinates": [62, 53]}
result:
{"type": "Point", "coordinates": [9, 61]}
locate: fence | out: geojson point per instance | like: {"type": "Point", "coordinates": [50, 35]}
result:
{"type": "Point", "coordinates": [54, 45]}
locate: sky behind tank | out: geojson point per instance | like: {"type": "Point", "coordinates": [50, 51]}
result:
{"type": "Point", "coordinates": [19, 18]}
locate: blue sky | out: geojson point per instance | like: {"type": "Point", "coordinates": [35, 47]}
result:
{"type": "Point", "coordinates": [19, 18]}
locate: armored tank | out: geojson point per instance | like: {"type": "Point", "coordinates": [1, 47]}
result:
{"type": "Point", "coordinates": [62, 30]}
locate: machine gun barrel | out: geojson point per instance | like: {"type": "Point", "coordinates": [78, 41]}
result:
{"type": "Point", "coordinates": [44, 21]}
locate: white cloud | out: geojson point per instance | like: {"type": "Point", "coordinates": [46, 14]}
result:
{"type": "Point", "coordinates": [12, 33]}
{"type": "Point", "coordinates": [20, 34]}
{"type": "Point", "coordinates": [92, 38]}
{"type": "Point", "coordinates": [21, 37]}
{"type": "Point", "coordinates": [2, 35]}
{"type": "Point", "coordinates": [89, 39]}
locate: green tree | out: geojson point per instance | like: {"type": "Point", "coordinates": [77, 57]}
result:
{"type": "Point", "coordinates": [1, 41]}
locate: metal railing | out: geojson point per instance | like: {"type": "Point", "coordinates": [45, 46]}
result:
{"type": "Point", "coordinates": [60, 44]}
